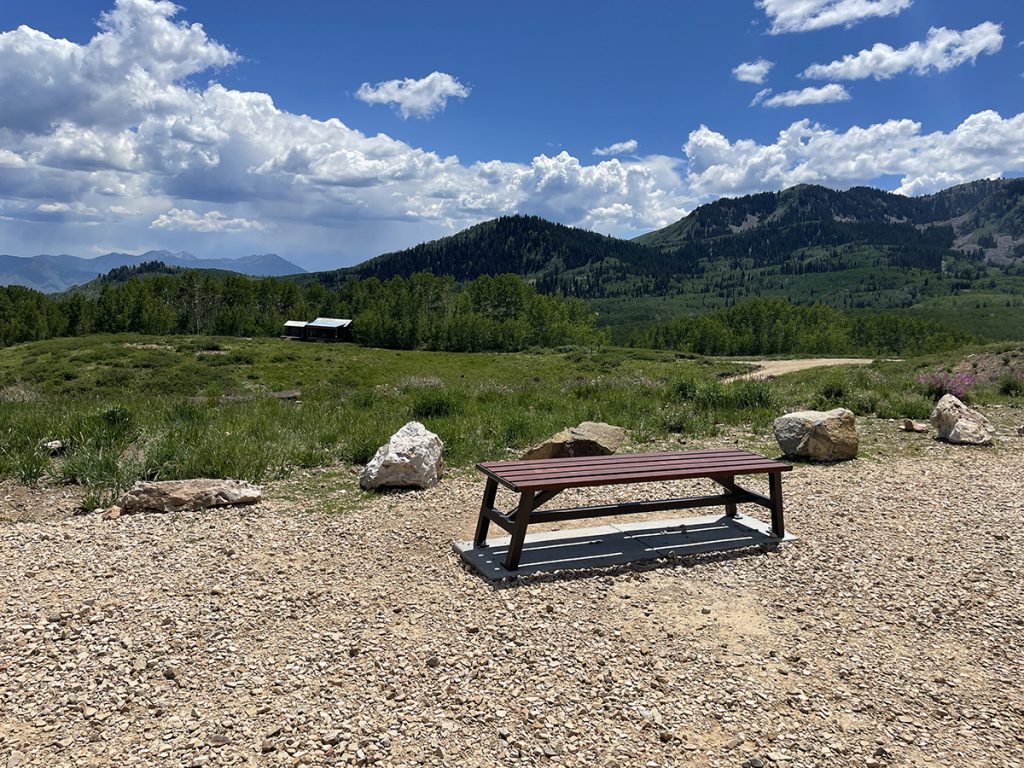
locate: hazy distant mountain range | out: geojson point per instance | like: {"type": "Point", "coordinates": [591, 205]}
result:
{"type": "Point", "coordinates": [52, 274]}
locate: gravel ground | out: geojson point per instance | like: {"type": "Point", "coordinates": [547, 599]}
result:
{"type": "Point", "coordinates": [291, 633]}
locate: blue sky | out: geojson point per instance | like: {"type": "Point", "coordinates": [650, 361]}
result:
{"type": "Point", "coordinates": [329, 132]}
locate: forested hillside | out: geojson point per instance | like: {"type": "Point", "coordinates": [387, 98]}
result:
{"type": "Point", "coordinates": [554, 257]}
{"type": "Point", "coordinates": [852, 249]}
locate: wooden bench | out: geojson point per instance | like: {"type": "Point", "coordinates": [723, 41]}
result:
{"type": "Point", "coordinates": [539, 481]}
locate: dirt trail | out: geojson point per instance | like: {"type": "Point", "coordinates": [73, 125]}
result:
{"type": "Point", "coordinates": [768, 368]}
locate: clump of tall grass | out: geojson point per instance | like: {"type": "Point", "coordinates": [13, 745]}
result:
{"type": "Point", "coordinates": [23, 459]}
{"type": "Point", "coordinates": [432, 403]}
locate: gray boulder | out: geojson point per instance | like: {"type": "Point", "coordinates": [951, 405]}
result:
{"type": "Point", "coordinates": [959, 424]}
{"type": "Point", "coordinates": [818, 435]}
{"type": "Point", "coordinates": [590, 438]}
{"type": "Point", "coordinates": [186, 495]}
{"type": "Point", "coordinates": [410, 459]}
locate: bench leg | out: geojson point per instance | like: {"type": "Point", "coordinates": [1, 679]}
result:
{"type": "Point", "coordinates": [775, 492]}
{"type": "Point", "coordinates": [729, 483]}
{"type": "Point", "coordinates": [515, 546]}
{"type": "Point", "coordinates": [482, 525]}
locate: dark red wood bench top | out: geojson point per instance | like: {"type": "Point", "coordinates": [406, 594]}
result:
{"type": "Point", "coordinates": [556, 474]}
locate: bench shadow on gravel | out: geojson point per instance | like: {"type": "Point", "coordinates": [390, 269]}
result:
{"type": "Point", "coordinates": [617, 549]}
{"type": "Point", "coordinates": [615, 571]}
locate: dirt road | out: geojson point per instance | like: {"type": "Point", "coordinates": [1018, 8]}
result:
{"type": "Point", "coordinates": [768, 368]}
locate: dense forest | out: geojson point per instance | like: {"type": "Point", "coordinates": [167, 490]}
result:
{"type": "Point", "coordinates": [423, 311]}
{"type": "Point", "coordinates": [775, 326]}
{"type": "Point", "coordinates": [420, 312]}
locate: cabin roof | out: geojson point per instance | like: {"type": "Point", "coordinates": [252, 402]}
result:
{"type": "Point", "coordinates": [329, 322]}
{"type": "Point", "coordinates": [295, 323]}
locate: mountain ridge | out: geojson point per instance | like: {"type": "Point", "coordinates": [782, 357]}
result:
{"type": "Point", "coordinates": [862, 248]}
{"type": "Point", "coordinates": [802, 229]}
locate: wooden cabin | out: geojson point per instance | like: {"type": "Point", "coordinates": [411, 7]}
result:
{"type": "Point", "coordinates": [295, 329]}
{"type": "Point", "coordinates": [329, 329]}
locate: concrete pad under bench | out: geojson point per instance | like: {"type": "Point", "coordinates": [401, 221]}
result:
{"type": "Point", "coordinates": [620, 544]}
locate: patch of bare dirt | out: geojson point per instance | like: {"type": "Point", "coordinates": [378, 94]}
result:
{"type": "Point", "coordinates": [988, 367]}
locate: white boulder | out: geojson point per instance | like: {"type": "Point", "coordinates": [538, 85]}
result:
{"type": "Point", "coordinates": [959, 424]}
{"type": "Point", "coordinates": [410, 459]}
{"type": "Point", "coordinates": [818, 435]}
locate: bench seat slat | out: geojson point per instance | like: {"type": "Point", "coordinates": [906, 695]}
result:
{"type": "Point", "coordinates": [623, 458]}
{"type": "Point", "coordinates": [547, 474]}
{"type": "Point", "coordinates": [737, 462]}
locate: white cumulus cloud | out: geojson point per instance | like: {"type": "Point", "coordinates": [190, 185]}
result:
{"type": "Point", "coordinates": [627, 147]}
{"type": "Point", "coordinates": [753, 71]}
{"type": "Point", "coordinates": [985, 145]}
{"type": "Point", "coordinates": [826, 94]}
{"type": "Point", "coordinates": [128, 71]}
{"type": "Point", "coordinates": [211, 221]}
{"type": "Point", "coordinates": [807, 15]}
{"type": "Point", "coordinates": [942, 50]}
{"type": "Point", "coordinates": [415, 98]}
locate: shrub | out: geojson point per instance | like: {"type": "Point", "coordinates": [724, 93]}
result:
{"type": "Point", "coordinates": [684, 388]}
{"type": "Point", "coordinates": [750, 393]}
{"type": "Point", "coordinates": [710, 396]}
{"type": "Point", "coordinates": [832, 389]}
{"type": "Point", "coordinates": [1010, 384]}
{"type": "Point", "coordinates": [434, 403]}
{"type": "Point", "coordinates": [242, 357]}
{"type": "Point", "coordinates": [905, 407]}
{"type": "Point", "coordinates": [687, 422]}
{"type": "Point", "coordinates": [941, 383]}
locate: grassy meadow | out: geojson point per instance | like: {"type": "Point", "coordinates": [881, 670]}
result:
{"type": "Point", "coordinates": [133, 407]}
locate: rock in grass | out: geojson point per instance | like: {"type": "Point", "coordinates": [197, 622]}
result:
{"type": "Point", "coordinates": [187, 495]}
{"type": "Point", "coordinates": [590, 438]}
{"type": "Point", "coordinates": [909, 425]}
{"type": "Point", "coordinates": [410, 459]}
{"type": "Point", "coordinates": [818, 435]}
{"type": "Point", "coordinates": [959, 424]}
{"type": "Point", "coordinates": [55, 447]}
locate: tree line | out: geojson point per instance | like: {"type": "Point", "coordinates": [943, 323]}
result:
{"type": "Point", "coordinates": [775, 326]}
{"type": "Point", "coordinates": [501, 313]}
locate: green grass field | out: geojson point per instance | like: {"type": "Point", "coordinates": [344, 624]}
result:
{"type": "Point", "coordinates": [134, 407]}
